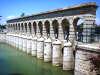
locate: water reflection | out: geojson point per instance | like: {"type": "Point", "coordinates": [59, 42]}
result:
{"type": "Point", "coordinates": [15, 62]}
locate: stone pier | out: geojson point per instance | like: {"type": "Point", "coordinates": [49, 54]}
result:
{"type": "Point", "coordinates": [54, 35]}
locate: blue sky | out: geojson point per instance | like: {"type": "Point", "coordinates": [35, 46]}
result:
{"type": "Point", "coordinates": [14, 8]}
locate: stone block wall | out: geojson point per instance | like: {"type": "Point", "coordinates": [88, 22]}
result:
{"type": "Point", "coordinates": [83, 65]}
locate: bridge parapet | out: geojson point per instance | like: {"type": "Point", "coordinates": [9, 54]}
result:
{"type": "Point", "coordinates": [85, 57]}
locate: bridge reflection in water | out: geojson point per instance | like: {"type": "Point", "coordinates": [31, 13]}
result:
{"type": "Point", "coordinates": [14, 62]}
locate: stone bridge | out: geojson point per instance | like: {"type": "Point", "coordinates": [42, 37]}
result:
{"type": "Point", "coordinates": [58, 24]}
{"type": "Point", "coordinates": [53, 36]}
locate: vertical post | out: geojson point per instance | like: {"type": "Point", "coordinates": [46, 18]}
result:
{"type": "Point", "coordinates": [89, 28]}
{"type": "Point", "coordinates": [38, 33]}
{"type": "Point", "coordinates": [44, 30]}
{"type": "Point", "coordinates": [72, 36]}
{"type": "Point", "coordinates": [21, 27]}
{"type": "Point", "coordinates": [60, 30]}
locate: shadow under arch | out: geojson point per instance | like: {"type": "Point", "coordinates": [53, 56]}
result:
{"type": "Point", "coordinates": [13, 26]}
{"type": "Point", "coordinates": [55, 25]}
{"type": "Point", "coordinates": [29, 25]}
{"type": "Point", "coordinates": [22, 26]}
{"type": "Point", "coordinates": [47, 26]}
{"type": "Point", "coordinates": [35, 27]}
{"type": "Point", "coordinates": [19, 26]}
{"type": "Point", "coordinates": [65, 26]}
{"type": "Point", "coordinates": [25, 27]}
{"type": "Point", "coordinates": [16, 26]}
{"type": "Point", "coordinates": [78, 23]}
{"type": "Point", "coordinates": [40, 25]}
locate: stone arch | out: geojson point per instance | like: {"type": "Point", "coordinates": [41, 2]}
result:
{"type": "Point", "coordinates": [22, 26]}
{"type": "Point", "coordinates": [55, 25]}
{"type": "Point", "coordinates": [13, 26]}
{"type": "Point", "coordinates": [40, 25]}
{"type": "Point", "coordinates": [47, 27]}
{"type": "Point", "coordinates": [25, 27]}
{"type": "Point", "coordinates": [65, 26]}
{"type": "Point", "coordinates": [19, 26]}
{"type": "Point", "coordinates": [30, 26]}
{"type": "Point", "coordinates": [16, 26]}
{"type": "Point", "coordinates": [35, 27]}
{"type": "Point", "coordinates": [78, 23]}
{"type": "Point", "coordinates": [10, 25]}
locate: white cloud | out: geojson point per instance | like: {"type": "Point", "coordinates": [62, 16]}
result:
{"type": "Point", "coordinates": [10, 17]}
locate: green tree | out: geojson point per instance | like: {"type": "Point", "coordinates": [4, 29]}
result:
{"type": "Point", "coordinates": [22, 15]}
{"type": "Point", "coordinates": [97, 29]}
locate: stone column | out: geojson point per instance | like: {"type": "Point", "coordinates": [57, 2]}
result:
{"type": "Point", "coordinates": [40, 48]}
{"type": "Point", "coordinates": [44, 31]}
{"type": "Point", "coordinates": [16, 27]}
{"type": "Point", "coordinates": [28, 40]}
{"type": "Point", "coordinates": [32, 28]}
{"type": "Point", "coordinates": [7, 27]}
{"type": "Point", "coordinates": [23, 27]}
{"type": "Point", "coordinates": [19, 36]}
{"type": "Point", "coordinates": [60, 30]}
{"type": "Point", "coordinates": [48, 50]}
{"type": "Point", "coordinates": [38, 33]}
{"type": "Point", "coordinates": [34, 39]}
{"type": "Point", "coordinates": [25, 24]}
{"type": "Point", "coordinates": [34, 46]}
{"type": "Point", "coordinates": [51, 31]}
{"type": "Point", "coordinates": [20, 28]}
{"type": "Point", "coordinates": [88, 28]}
{"type": "Point", "coordinates": [13, 35]}
{"type": "Point", "coordinates": [57, 53]}
{"type": "Point", "coordinates": [68, 57]}
{"type": "Point", "coordinates": [10, 27]}
{"type": "Point", "coordinates": [72, 36]}
{"type": "Point", "coordinates": [28, 31]}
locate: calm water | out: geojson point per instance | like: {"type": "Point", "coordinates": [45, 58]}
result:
{"type": "Point", "coordinates": [15, 62]}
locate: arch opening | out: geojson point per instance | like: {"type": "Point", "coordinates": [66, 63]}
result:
{"type": "Point", "coordinates": [16, 27]}
{"type": "Point", "coordinates": [34, 27]}
{"type": "Point", "coordinates": [65, 27]}
{"type": "Point", "coordinates": [11, 27]}
{"type": "Point", "coordinates": [22, 26]}
{"type": "Point", "coordinates": [55, 25]}
{"type": "Point", "coordinates": [30, 30]}
{"type": "Point", "coordinates": [78, 27]}
{"type": "Point", "coordinates": [47, 27]}
{"type": "Point", "coordinates": [40, 27]}
{"type": "Point", "coordinates": [26, 27]}
{"type": "Point", "coordinates": [19, 27]}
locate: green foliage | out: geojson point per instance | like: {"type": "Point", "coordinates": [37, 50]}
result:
{"type": "Point", "coordinates": [2, 26]}
{"type": "Point", "coordinates": [97, 29]}
{"type": "Point", "coordinates": [22, 15]}
{"type": "Point", "coordinates": [80, 27]}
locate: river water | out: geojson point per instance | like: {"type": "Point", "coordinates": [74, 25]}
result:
{"type": "Point", "coordinates": [15, 62]}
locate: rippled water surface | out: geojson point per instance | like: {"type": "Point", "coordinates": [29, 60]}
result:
{"type": "Point", "coordinates": [15, 62]}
